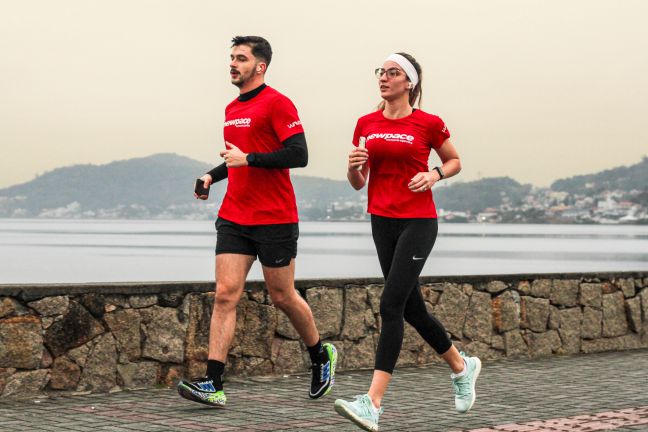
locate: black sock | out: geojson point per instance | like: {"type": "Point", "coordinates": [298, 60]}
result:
{"type": "Point", "coordinates": [215, 371]}
{"type": "Point", "coordinates": [316, 353]}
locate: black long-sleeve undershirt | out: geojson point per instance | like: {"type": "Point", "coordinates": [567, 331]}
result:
{"type": "Point", "coordinates": [294, 154]}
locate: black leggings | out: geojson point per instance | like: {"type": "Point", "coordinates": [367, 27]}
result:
{"type": "Point", "coordinates": [403, 246]}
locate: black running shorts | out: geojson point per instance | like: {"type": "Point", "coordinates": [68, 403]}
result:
{"type": "Point", "coordinates": [275, 245]}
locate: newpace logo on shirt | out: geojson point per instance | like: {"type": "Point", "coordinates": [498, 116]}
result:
{"type": "Point", "coordinates": [394, 137]}
{"type": "Point", "coordinates": [239, 122]}
{"type": "Point", "coordinates": [293, 124]}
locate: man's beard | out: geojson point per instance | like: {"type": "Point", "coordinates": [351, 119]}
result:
{"type": "Point", "coordinates": [240, 80]}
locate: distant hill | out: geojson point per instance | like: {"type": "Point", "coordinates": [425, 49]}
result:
{"type": "Point", "coordinates": [139, 187]}
{"type": "Point", "coordinates": [478, 195]}
{"type": "Point", "coordinates": [620, 178]}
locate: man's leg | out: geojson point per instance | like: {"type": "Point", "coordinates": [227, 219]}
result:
{"type": "Point", "coordinates": [231, 271]}
{"type": "Point", "coordinates": [280, 282]}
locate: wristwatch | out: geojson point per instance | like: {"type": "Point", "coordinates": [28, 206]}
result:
{"type": "Point", "coordinates": [250, 158]}
{"type": "Point", "coordinates": [439, 170]}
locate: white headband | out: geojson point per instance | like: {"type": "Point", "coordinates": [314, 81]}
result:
{"type": "Point", "coordinates": [407, 67]}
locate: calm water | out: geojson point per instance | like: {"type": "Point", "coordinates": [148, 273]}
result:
{"type": "Point", "coordinates": [113, 251]}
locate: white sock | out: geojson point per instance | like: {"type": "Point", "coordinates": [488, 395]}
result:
{"type": "Point", "coordinates": [463, 372]}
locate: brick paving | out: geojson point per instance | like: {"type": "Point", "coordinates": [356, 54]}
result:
{"type": "Point", "coordinates": [586, 393]}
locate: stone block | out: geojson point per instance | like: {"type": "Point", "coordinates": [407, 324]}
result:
{"type": "Point", "coordinates": [506, 311]}
{"type": "Point", "coordinates": [601, 345]}
{"type": "Point", "coordinates": [285, 327]}
{"type": "Point", "coordinates": [197, 309]}
{"type": "Point", "coordinates": [495, 287]}
{"type": "Point", "coordinates": [643, 295]}
{"type": "Point", "coordinates": [142, 301]}
{"type": "Point", "coordinates": [355, 318]}
{"type": "Point", "coordinates": [75, 328]}
{"type": "Point", "coordinates": [171, 299]}
{"type": "Point", "coordinates": [592, 323]}
{"type": "Point", "coordinates": [564, 292]}
{"type": "Point", "coordinates": [94, 303]}
{"type": "Point", "coordinates": [258, 334]}
{"type": "Point", "coordinates": [374, 292]}
{"type": "Point", "coordinates": [479, 321]}
{"type": "Point", "coordinates": [139, 375]}
{"type": "Point", "coordinates": [287, 356]}
{"type": "Point", "coordinates": [64, 374]}
{"type": "Point", "coordinates": [524, 288]}
{"type": "Point", "coordinates": [11, 307]}
{"type": "Point", "coordinates": [361, 354]}
{"type": "Point", "coordinates": [21, 343]}
{"type": "Point", "coordinates": [540, 344]}
{"type": "Point", "coordinates": [614, 316]}
{"type": "Point", "coordinates": [125, 325]}
{"type": "Point", "coordinates": [633, 313]}
{"type": "Point", "coordinates": [570, 330]}
{"type": "Point", "coordinates": [591, 294]}
{"type": "Point", "coordinates": [50, 306]}
{"type": "Point", "coordinates": [164, 334]}
{"type": "Point", "coordinates": [26, 384]}
{"type": "Point", "coordinates": [514, 344]}
{"type": "Point", "coordinates": [80, 354]}
{"type": "Point", "coordinates": [327, 307]}
{"type": "Point", "coordinates": [535, 313]}
{"type": "Point", "coordinates": [541, 288]}
{"type": "Point", "coordinates": [100, 371]}
{"type": "Point", "coordinates": [554, 318]}
{"type": "Point", "coordinates": [497, 342]}
{"type": "Point", "coordinates": [627, 287]}
{"type": "Point", "coordinates": [451, 310]}
{"type": "Point", "coordinates": [5, 374]}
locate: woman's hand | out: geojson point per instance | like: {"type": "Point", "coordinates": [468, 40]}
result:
{"type": "Point", "coordinates": [423, 181]}
{"type": "Point", "coordinates": [357, 158]}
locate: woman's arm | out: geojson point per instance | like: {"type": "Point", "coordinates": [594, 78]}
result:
{"type": "Point", "coordinates": [358, 177]}
{"type": "Point", "coordinates": [451, 165]}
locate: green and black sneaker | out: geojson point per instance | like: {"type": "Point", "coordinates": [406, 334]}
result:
{"type": "Point", "coordinates": [202, 390]}
{"type": "Point", "coordinates": [323, 374]}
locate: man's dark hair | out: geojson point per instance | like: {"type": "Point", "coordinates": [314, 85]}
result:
{"type": "Point", "coordinates": [260, 47]}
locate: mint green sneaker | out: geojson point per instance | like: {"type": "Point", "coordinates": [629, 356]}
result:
{"type": "Point", "coordinates": [361, 412]}
{"type": "Point", "coordinates": [464, 386]}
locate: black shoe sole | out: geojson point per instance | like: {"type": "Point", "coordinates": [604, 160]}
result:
{"type": "Point", "coordinates": [190, 396]}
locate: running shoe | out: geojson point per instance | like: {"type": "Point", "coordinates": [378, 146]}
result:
{"type": "Point", "coordinates": [202, 390]}
{"type": "Point", "coordinates": [361, 412]}
{"type": "Point", "coordinates": [464, 386]}
{"type": "Point", "coordinates": [323, 374]}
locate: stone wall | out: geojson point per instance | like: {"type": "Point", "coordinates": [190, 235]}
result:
{"type": "Point", "coordinates": [106, 337]}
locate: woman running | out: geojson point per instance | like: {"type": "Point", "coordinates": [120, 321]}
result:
{"type": "Point", "coordinates": [399, 139]}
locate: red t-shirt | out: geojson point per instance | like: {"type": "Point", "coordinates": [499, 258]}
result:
{"type": "Point", "coordinates": [260, 196]}
{"type": "Point", "coordinates": [398, 150]}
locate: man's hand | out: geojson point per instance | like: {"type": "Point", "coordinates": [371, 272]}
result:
{"type": "Point", "coordinates": [207, 180]}
{"type": "Point", "coordinates": [233, 156]}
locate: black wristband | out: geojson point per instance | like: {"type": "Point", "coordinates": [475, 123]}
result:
{"type": "Point", "coordinates": [438, 169]}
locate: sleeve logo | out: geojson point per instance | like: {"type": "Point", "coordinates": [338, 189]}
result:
{"type": "Point", "coordinates": [293, 124]}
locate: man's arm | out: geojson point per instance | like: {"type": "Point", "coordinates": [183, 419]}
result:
{"type": "Point", "coordinates": [219, 173]}
{"type": "Point", "coordinates": [294, 154]}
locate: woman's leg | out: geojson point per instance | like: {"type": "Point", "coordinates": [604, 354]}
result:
{"type": "Point", "coordinates": [408, 243]}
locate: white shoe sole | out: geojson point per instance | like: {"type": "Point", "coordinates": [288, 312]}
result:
{"type": "Point", "coordinates": [364, 424]}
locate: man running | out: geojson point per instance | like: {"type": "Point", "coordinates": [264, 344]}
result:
{"type": "Point", "coordinates": [258, 217]}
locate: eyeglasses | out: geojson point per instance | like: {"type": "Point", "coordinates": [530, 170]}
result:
{"type": "Point", "coordinates": [391, 72]}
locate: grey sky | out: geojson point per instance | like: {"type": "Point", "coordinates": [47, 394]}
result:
{"type": "Point", "coordinates": [535, 90]}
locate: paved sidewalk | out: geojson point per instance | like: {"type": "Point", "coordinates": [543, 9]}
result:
{"type": "Point", "coordinates": [584, 393]}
